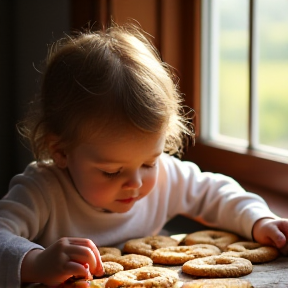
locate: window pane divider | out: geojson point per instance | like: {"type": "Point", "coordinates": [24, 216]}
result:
{"type": "Point", "coordinates": [253, 135]}
{"type": "Point", "coordinates": [209, 69]}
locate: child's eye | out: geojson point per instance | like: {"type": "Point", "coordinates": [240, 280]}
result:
{"type": "Point", "coordinates": [110, 175]}
{"type": "Point", "coordinates": [149, 166]}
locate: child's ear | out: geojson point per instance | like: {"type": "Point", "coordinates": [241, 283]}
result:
{"type": "Point", "coordinates": [56, 151]}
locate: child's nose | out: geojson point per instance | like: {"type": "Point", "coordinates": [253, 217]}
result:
{"type": "Point", "coordinates": [134, 181]}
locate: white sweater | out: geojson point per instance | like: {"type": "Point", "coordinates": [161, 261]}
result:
{"type": "Point", "coordinates": [42, 205]}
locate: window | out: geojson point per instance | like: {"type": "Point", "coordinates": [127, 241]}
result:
{"type": "Point", "coordinates": [244, 91]}
{"type": "Point", "coordinates": [246, 44]}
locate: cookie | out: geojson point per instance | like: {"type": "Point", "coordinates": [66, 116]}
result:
{"type": "Point", "coordinates": [109, 253]}
{"type": "Point", "coordinates": [111, 268]}
{"type": "Point", "coordinates": [252, 251]}
{"type": "Point", "coordinates": [218, 266]}
{"type": "Point", "coordinates": [133, 261]}
{"type": "Point", "coordinates": [218, 283]}
{"type": "Point", "coordinates": [148, 277]}
{"type": "Point", "coordinates": [220, 239]}
{"type": "Point", "coordinates": [145, 246]}
{"type": "Point", "coordinates": [178, 255]}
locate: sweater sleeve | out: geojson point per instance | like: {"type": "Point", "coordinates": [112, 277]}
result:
{"type": "Point", "coordinates": [22, 217]}
{"type": "Point", "coordinates": [212, 199]}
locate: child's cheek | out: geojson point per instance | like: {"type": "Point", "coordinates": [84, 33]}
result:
{"type": "Point", "coordinates": [150, 182]}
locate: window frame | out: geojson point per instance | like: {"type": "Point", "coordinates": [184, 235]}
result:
{"type": "Point", "coordinates": [246, 165]}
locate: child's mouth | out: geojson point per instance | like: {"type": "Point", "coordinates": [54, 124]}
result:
{"type": "Point", "coordinates": [126, 201]}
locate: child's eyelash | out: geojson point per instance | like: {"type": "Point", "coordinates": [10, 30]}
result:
{"type": "Point", "coordinates": [114, 174]}
{"type": "Point", "coordinates": [110, 175]}
{"type": "Point", "coordinates": [149, 166]}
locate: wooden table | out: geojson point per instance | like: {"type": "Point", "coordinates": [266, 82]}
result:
{"type": "Point", "coordinates": [268, 275]}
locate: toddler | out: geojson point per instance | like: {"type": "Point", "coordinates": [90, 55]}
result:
{"type": "Point", "coordinates": [103, 131]}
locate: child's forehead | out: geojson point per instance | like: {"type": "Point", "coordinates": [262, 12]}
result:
{"type": "Point", "coordinates": [122, 145]}
{"type": "Point", "coordinates": [122, 133]}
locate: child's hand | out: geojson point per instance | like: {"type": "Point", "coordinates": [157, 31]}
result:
{"type": "Point", "coordinates": [272, 232]}
{"type": "Point", "coordinates": [65, 258]}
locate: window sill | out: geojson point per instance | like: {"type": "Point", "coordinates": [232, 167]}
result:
{"type": "Point", "coordinates": [246, 166]}
{"type": "Point", "coordinates": [277, 203]}
{"type": "Point", "coordinates": [180, 224]}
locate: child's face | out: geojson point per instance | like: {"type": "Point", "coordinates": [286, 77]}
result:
{"type": "Point", "coordinates": [114, 171]}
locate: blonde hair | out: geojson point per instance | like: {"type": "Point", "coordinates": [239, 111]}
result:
{"type": "Point", "coordinates": [97, 79]}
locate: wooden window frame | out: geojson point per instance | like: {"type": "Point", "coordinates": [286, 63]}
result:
{"type": "Point", "coordinates": [247, 165]}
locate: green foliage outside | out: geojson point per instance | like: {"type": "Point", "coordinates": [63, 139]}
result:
{"type": "Point", "coordinates": [273, 101]}
{"type": "Point", "coordinates": [272, 71]}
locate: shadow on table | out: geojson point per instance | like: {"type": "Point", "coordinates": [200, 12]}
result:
{"type": "Point", "coordinates": [182, 225]}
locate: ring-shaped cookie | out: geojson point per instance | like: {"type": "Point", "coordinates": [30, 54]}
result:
{"type": "Point", "coordinates": [110, 268]}
{"type": "Point", "coordinates": [80, 283]}
{"type": "Point", "coordinates": [146, 277]}
{"type": "Point", "coordinates": [178, 255]}
{"type": "Point", "coordinates": [218, 266]}
{"type": "Point", "coordinates": [220, 239]}
{"type": "Point", "coordinates": [145, 246]}
{"type": "Point", "coordinates": [133, 261]}
{"type": "Point", "coordinates": [252, 251]}
{"type": "Point", "coordinates": [218, 283]}
{"type": "Point", "coordinates": [109, 253]}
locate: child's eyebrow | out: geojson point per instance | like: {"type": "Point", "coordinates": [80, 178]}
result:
{"type": "Point", "coordinates": [112, 161]}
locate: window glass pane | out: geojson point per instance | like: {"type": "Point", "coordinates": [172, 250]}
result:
{"type": "Point", "coordinates": [233, 68]}
{"type": "Point", "coordinates": [273, 73]}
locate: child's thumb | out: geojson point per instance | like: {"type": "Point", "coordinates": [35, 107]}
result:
{"type": "Point", "coordinates": [278, 238]}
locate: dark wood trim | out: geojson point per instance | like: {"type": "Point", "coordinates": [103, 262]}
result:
{"type": "Point", "coordinates": [190, 78]}
{"type": "Point", "coordinates": [90, 13]}
{"type": "Point", "coordinates": [82, 13]}
{"type": "Point", "coordinates": [159, 25]}
{"type": "Point", "coordinates": [247, 166]}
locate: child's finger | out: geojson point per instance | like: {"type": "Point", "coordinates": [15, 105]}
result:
{"type": "Point", "coordinates": [277, 236]}
{"type": "Point", "coordinates": [283, 227]}
{"type": "Point", "coordinates": [88, 276]}
{"type": "Point", "coordinates": [99, 271]}
{"type": "Point", "coordinates": [82, 255]}
{"type": "Point", "coordinates": [91, 253]}
{"type": "Point", "coordinates": [71, 269]}
{"type": "Point", "coordinates": [77, 269]}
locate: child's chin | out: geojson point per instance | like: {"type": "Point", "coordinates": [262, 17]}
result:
{"type": "Point", "coordinates": [115, 210]}
{"type": "Point", "coordinates": [122, 208]}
